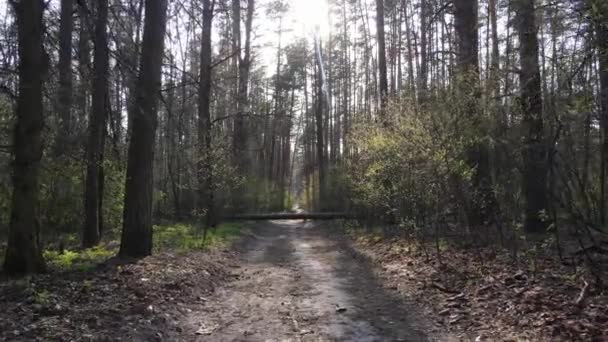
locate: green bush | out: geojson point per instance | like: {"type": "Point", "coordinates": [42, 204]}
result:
{"type": "Point", "coordinates": [412, 171]}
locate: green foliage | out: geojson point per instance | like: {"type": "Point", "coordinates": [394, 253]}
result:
{"type": "Point", "coordinates": [42, 297]}
{"type": "Point", "coordinates": [413, 170]}
{"type": "Point", "coordinates": [82, 260]}
{"type": "Point", "coordinates": [114, 193]}
{"type": "Point", "coordinates": [176, 236]}
{"type": "Point", "coordinates": [61, 195]}
{"type": "Point", "coordinates": [186, 236]}
{"type": "Point", "coordinates": [62, 192]}
{"type": "Point", "coordinates": [263, 195]}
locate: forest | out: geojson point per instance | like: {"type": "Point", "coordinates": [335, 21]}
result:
{"type": "Point", "coordinates": [459, 147]}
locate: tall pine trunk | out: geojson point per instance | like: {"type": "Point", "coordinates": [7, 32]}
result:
{"type": "Point", "coordinates": [599, 16]}
{"type": "Point", "coordinates": [383, 82]}
{"type": "Point", "coordinates": [465, 24]}
{"type": "Point", "coordinates": [23, 253]}
{"type": "Point", "coordinates": [204, 166]}
{"type": "Point", "coordinates": [136, 240]}
{"type": "Point", "coordinates": [319, 126]}
{"type": "Point", "coordinates": [241, 138]}
{"type": "Point", "coordinates": [534, 182]}
{"type": "Point", "coordinates": [93, 191]}
{"type": "Point", "coordinates": [423, 70]}
{"type": "Point", "coordinates": [64, 98]}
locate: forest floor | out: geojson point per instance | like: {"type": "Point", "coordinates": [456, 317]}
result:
{"type": "Point", "coordinates": [481, 294]}
{"type": "Point", "coordinates": [283, 281]}
{"type": "Point", "coordinates": [300, 281]}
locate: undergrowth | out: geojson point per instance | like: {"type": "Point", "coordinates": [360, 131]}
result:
{"type": "Point", "coordinates": [187, 236]}
{"type": "Point", "coordinates": [180, 237]}
{"type": "Point", "coordinates": [79, 260]}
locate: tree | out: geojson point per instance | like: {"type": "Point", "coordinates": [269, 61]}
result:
{"type": "Point", "coordinates": [534, 182]}
{"type": "Point", "coordinates": [24, 253]}
{"type": "Point", "coordinates": [465, 24]}
{"type": "Point", "coordinates": [319, 124]}
{"type": "Point", "coordinates": [599, 15]}
{"type": "Point", "coordinates": [64, 98]}
{"type": "Point", "coordinates": [97, 121]}
{"type": "Point", "coordinates": [381, 57]}
{"type": "Point", "coordinates": [240, 136]}
{"type": "Point", "coordinates": [136, 239]}
{"type": "Point", "coordinates": [204, 165]}
{"type": "Point", "coordinates": [423, 73]}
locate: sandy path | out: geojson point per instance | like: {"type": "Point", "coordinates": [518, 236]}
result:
{"type": "Point", "coordinates": [296, 284]}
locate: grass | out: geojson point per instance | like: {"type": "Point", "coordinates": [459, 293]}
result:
{"type": "Point", "coordinates": [78, 260]}
{"type": "Point", "coordinates": [187, 236]}
{"type": "Point", "coordinates": [181, 237]}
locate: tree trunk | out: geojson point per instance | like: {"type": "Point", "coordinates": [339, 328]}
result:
{"type": "Point", "coordinates": [24, 253]}
{"type": "Point", "coordinates": [205, 170]}
{"type": "Point", "coordinates": [84, 58]}
{"type": "Point", "coordinates": [93, 218]}
{"type": "Point", "coordinates": [136, 240]}
{"type": "Point", "coordinates": [319, 123]}
{"type": "Point", "coordinates": [495, 63]}
{"type": "Point", "coordinates": [465, 24]}
{"type": "Point", "coordinates": [241, 137]}
{"type": "Point", "coordinates": [381, 58]}
{"type": "Point", "coordinates": [64, 98]}
{"type": "Point", "coordinates": [600, 22]}
{"type": "Point", "coordinates": [238, 139]}
{"type": "Point", "coordinates": [422, 80]}
{"type": "Point", "coordinates": [534, 183]}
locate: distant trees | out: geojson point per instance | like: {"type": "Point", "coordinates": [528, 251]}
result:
{"type": "Point", "coordinates": [416, 112]}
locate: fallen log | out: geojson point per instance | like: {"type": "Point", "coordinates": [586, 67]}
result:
{"type": "Point", "coordinates": [292, 216]}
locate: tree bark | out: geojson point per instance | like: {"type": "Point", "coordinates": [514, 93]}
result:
{"type": "Point", "coordinates": [93, 194]}
{"type": "Point", "coordinates": [534, 182]}
{"type": "Point", "coordinates": [383, 81]}
{"type": "Point", "coordinates": [465, 24]}
{"type": "Point", "coordinates": [64, 98]}
{"type": "Point", "coordinates": [600, 23]}
{"type": "Point", "coordinates": [241, 136]}
{"type": "Point", "coordinates": [84, 57]}
{"type": "Point", "coordinates": [136, 240]}
{"type": "Point", "coordinates": [319, 122]}
{"type": "Point", "coordinates": [205, 169]}
{"type": "Point", "coordinates": [423, 76]}
{"type": "Point", "coordinates": [24, 253]}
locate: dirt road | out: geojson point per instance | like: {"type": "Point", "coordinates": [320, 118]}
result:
{"type": "Point", "coordinates": [296, 283]}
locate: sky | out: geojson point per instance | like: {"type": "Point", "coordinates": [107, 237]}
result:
{"type": "Point", "coordinates": [301, 20]}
